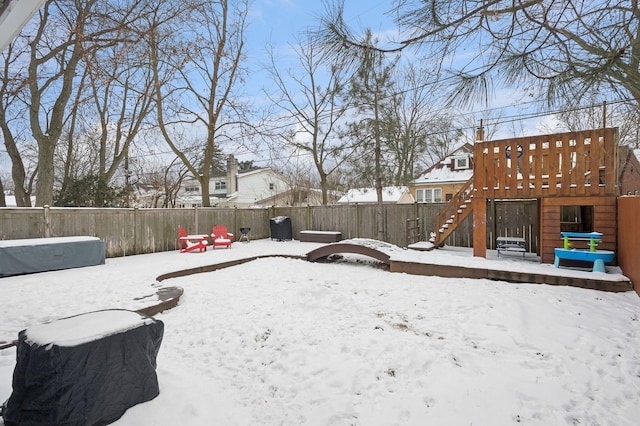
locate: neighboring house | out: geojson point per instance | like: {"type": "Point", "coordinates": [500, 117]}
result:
{"type": "Point", "coordinates": [189, 194]}
{"type": "Point", "coordinates": [145, 195]}
{"type": "Point", "coordinates": [234, 188]}
{"type": "Point", "coordinates": [629, 170]}
{"type": "Point", "coordinates": [254, 186]}
{"type": "Point", "coordinates": [299, 196]}
{"type": "Point", "coordinates": [390, 195]}
{"type": "Point", "coordinates": [441, 181]}
{"type": "Point", "coordinates": [10, 200]}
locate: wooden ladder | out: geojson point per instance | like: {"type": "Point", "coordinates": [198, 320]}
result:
{"type": "Point", "coordinates": [413, 231]}
{"type": "Point", "coordinates": [453, 214]}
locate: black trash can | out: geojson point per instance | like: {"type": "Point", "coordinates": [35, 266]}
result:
{"type": "Point", "coordinates": [281, 228]}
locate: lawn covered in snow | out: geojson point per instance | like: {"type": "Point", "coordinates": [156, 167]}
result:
{"type": "Point", "coordinates": [281, 341]}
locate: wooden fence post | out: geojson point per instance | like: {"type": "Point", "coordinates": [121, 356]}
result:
{"type": "Point", "coordinates": [47, 222]}
{"type": "Point", "coordinates": [135, 231]}
{"type": "Point", "coordinates": [235, 222]}
{"type": "Point", "coordinates": [357, 221]}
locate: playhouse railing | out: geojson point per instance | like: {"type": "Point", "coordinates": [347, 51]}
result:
{"type": "Point", "coordinates": [563, 164]}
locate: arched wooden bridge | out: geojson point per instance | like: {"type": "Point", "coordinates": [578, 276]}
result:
{"type": "Point", "coordinates": [376, 251]}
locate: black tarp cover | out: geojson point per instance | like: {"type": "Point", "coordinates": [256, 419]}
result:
{"type": "Point", "coordinates": [91, 383]}
{"type": "Point", "coordinates": [281, 228]}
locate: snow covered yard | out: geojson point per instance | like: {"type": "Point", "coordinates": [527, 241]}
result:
{"type": "Point", "coordinates": [282, 341]}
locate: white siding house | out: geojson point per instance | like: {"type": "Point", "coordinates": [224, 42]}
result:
{"type": "Point", "coordinates": [235, 189]}
{"type": "Point", "coordinates": [255, 186]}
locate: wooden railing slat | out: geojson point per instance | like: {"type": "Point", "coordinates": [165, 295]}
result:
{"type": "Point", "coordinates": [567, 164]}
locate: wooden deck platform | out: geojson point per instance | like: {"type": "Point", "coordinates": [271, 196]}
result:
{"type": "Point", "coordinates": [594, 281]}
{"type": "Point", "coordinates": [485, 270]}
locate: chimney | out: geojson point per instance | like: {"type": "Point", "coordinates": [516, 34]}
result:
{"type": "Point", "coordinates": [232, 174]}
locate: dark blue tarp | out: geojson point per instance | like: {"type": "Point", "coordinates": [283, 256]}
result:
{"type": "Point", "coordinates": [49, 254]}
{"type": "Point", "coordinates": [92, 383]}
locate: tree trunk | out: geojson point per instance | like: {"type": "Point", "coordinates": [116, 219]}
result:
{"type": "Point", "coordinates": [44, 187]}
{"type": "Point", "coordinates": [18, 174]}
{"type": "Point", "coordinates": [378, 165]}
{"type": "Point", "coordinates": [3, 201]}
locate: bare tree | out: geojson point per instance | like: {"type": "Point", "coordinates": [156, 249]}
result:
{"type": "Point", "coordinates": [413, 118]}
{"type": "Point", "coordinates": [10, 90]}
{"type": "Point", "coordinates": [121, 93]}
{"type": "Point", "coordinates": [158, 183]}
{"type": "Point", "coordinates": [623, 115]}
{"type": "Point", "coordinates": [55, 85]}
{"type": "Point", "coordinates": [628, 123]}
{"type": "Point", "coordinates": [61, 37]}
{"type": "Point", "coordinates": [444, 138]}
{"type": "Point", "coordinates": [370, 85]}
{"type": "Point", "coordinates": [310, 95]}
{"type": "Point", "coordinates": [564, 48]}
{"type": "Point", "coordinates": [197, 71]}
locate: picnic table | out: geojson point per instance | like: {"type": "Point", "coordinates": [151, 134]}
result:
{"type": "Point", "coordinates": [515, 244]}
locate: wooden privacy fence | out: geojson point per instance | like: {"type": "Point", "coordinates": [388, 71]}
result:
{"type": "Point", "coordinates": [628, 237]}
{"type": "Point", "coordinates": [136, 231]}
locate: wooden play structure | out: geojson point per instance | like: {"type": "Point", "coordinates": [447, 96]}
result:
{"type": "Point", "coordinates": [567, 173]}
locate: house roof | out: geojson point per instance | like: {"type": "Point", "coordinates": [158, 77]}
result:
{"type": "Point", "coordinates": [257, 171]}
{"type": "Point", "coordinates": [10, 200]}
{"type": "Point", "coordinates": [194, 199]}
{"type": "Point", "coordinates": [241, 174]}
{"type": "Point", "coordinates": [390, 194]}
{"type": "Point", "coordinates": [442, 171]}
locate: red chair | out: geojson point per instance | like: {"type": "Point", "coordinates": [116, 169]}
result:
{"type": "Point", "coordinates": [188, 242]}
{"type": "Point", "coordinates": [221, 237]}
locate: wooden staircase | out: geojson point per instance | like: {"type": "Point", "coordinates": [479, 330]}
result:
{"type": "Point", "coordinates": [453, 214]}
